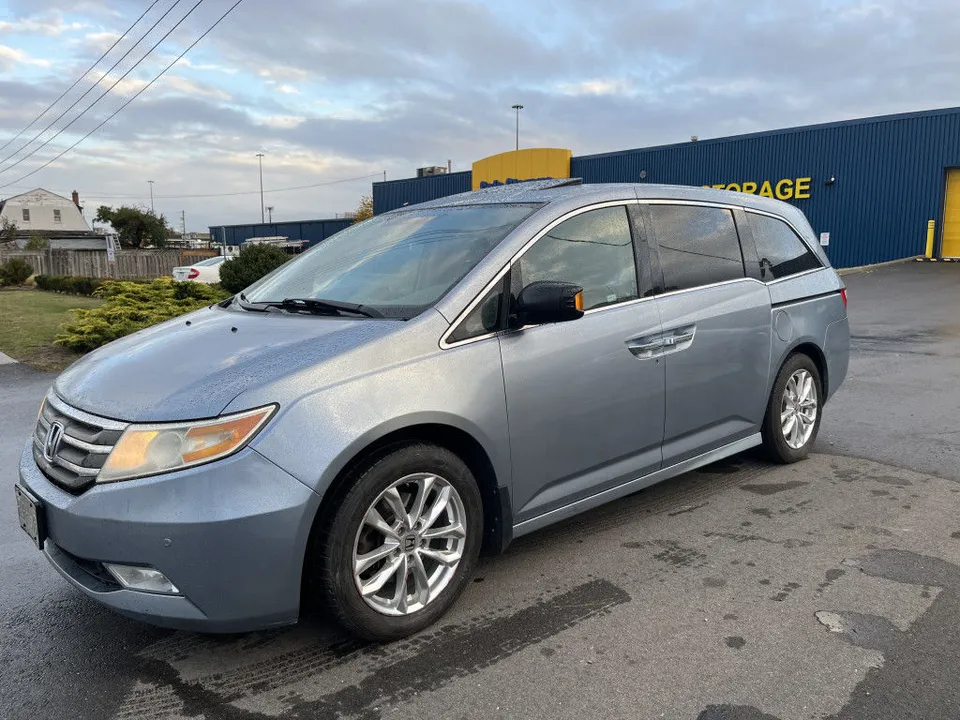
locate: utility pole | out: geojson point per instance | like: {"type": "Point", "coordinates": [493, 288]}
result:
{"type": "Point", "coordinates": [183, 224]}
{"type": "Point", "coordinates": [150, 182]}
{"type": "Point", "coordinates": [518, 108]}
{"type": "Point", "coordinates": [270, 213]}
{"type": "Point", "coordinates": [260, 160]}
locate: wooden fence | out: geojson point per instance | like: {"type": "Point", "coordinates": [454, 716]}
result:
{"type": "Point", "coordinates": [93, 263]}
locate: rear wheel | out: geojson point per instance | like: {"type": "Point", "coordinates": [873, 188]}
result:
{"type": "Point", "coordinates": [793, 411]}
{"type": "Point", "coordinates": [403, 542]}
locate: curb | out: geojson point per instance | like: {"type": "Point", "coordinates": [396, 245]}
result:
{"type": "Point", "coordinates": [6, 360]}
{"type": "Point", "coordinates": [943, 260]}
{"type": "Point", "coordinates": [867, 268]}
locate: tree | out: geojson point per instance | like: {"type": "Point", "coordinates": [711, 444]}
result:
{"type": "Point", "coordinates": [8, 231]}
{"type": "Point", "coordinates": [37, 242]}
{"type": "Point", "coordinates": [365, 209]}
{"type": "Point", "coordinates": [253, 262]}
{"type": "Point", "coordinates": [135, 227]}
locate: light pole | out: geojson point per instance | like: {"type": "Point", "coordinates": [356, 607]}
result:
{"type": "Point", "coordinates": [150, 183]}
{"type": "Point", "coordinates": [260, 160]}
{"type": "Point", "coordinates": [518, 108]}
{"type": "Point", "coordinates": [270, 213]}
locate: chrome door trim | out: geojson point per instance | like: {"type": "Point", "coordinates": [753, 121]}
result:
{"type": "Point", "coordinates": [632, 486]}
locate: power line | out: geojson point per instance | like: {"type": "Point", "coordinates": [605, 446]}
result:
{"type": "Point", "coordinates": [131, 99]}
{"type": "Point", "coordinates": [79, 79]}
{"type": "Point", "coordinates": [103, 94]}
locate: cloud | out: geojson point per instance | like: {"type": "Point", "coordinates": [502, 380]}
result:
{"type": "Point", "coordinates": [10, 58]}
{"type": "Point", "coordinates": [596, 87]}
{"type": "Point", "coordinates": [287, 90]}
{"type": "Point", "coordinates": [50, 24]}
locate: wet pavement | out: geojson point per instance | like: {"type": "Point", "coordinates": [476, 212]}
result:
{"type": "Point", "coordinates": [743, 591]}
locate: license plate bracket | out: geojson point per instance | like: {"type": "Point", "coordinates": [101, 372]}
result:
{"type": "Point", "coordinates": [30, 516]}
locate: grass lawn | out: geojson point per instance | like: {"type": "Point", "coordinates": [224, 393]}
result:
{"type": "Point", "coordinates": [28, 323]}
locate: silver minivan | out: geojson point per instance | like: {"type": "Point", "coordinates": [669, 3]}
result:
{"type": "Point", "coordinates": [355, 427]}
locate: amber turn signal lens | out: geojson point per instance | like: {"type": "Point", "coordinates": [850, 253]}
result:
{"type": "Point", "coordinates": [578, 301]}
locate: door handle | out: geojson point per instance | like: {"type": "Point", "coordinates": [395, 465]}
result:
{"type": "Point", "coordinates": [646, 348]}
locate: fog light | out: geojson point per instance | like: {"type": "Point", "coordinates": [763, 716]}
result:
{"type": "Point", "coordinates": [145, 579]}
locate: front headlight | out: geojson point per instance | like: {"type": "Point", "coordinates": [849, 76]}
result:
{"type": "Point", "coordinates": [151, 449]}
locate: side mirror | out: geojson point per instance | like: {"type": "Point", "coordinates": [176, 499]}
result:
{"type": "Point", "coordinates": [546, 301]}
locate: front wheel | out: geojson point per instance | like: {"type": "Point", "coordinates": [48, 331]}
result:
{"type": "Point", "coordinates": [403, 543]}
{"type": "Point", "coordinates": [793, 411]}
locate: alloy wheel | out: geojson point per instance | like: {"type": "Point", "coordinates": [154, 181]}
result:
{"type": "Point", "coordinates": [798, 409]}
{"type": "Point", "coordinates": [409, 544]}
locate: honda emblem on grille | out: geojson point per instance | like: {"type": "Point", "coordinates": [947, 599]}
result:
{"type": "Point", "coordinates": [52, 443]}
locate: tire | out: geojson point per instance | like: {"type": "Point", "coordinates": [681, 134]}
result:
{"type": "Point", "coordinates": [402, 474]}
{"type": "Point", "coordinates": [788, 446]}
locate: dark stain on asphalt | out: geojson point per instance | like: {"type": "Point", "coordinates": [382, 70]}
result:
{"type": "Point", "coordinates": [955, 535]}
{"type": "Point", "coordinates": [773, 488]}
{"type": "Point", "coordinates": [633, 545]}
{"type": "Point", "coordinates": [832, 575]}
{"type": "Point", "coordinates": [785, 592]}
{"type": "Point", "coordinates": [712, 582]}
{"type": "Point", "coordinates": [920, 665]}
{"type": "Point", "coordinates": [847, 474]}
{"type": "Point", "coordinates": [735, 641]}
{"type": "Point", "coordinates": [890, 480]}
{"type": "Point", "coordinates": [789, 543]}
{"type": "Point", "coordinates": [678, 556]}
{"type": "Point", "coordinates": [731, 616]}
{"type": "Point", "coordinates": [879, 493]}
{"type": "Point", "coordinates": [440, 658]}
{"type": "Point", "coordinates": [765, 512]}
{"type": "Point", "coordinates": [687, 509]}
{"type": "Point", "coordinates": [418, 665]}
{"type": "Point", "coordinates": [733, 712]}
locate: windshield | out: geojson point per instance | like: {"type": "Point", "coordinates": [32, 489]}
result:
{"type": "Point", "coordinates": [400, 264]}
{"type": "Point", "coordinates": [207, 263]}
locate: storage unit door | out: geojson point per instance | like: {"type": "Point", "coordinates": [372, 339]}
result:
{"type": "Point", "coordinates": [951, 216]}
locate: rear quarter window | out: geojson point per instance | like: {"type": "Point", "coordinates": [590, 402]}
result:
{"type": "Point", "coordinates": [780, 250]}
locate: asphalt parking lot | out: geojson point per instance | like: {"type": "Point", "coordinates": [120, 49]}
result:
{"type": "Point", "coordinates": [743, 591]}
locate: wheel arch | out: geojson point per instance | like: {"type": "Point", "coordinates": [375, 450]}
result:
{"type": "Point", "coordinates": [497, 509]}
{"type": "Point", "coordinates": [816, 354]}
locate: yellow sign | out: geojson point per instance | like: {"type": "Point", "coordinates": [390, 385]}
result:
{"type": "Point", "coordinates": [519, 165]}
{"type": "Point", "coordinates": [785, 189]}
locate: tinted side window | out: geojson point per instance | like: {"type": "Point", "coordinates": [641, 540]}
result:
{"type": "Point", "coordinates": [780, 251]}
{"type": "Point", "coordinates": [698, 245]}
{"type": "Point", "coordinates": [483, 319]}
{"type": "Point", "coordinates": [593, 249]}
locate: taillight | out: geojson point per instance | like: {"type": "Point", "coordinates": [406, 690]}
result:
{"type": "Point", "coordinates": [843, 295]}
{"type": "Point", "coordinates": [194, 273]}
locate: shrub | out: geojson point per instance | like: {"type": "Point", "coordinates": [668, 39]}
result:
{"type": "Point", "coordinates": [37, 242]}
{"type": "Point", "coordinates": [15, 271]}
{"type": "Point", "coordinates": [253, 262]}
{"type": "Point", "coordinates": [132, 306]}
{"type": "Point", "coordinates": [68, 284]}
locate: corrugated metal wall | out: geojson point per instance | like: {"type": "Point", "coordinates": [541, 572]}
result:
{"type": "Point", "coordinates": [313, 231]}
{"type": "Point", "coordinates": [397, 193]}
{"type": "Point", "coordinates": [889, 175]}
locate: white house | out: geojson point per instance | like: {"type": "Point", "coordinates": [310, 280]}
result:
{"type": "Point", "coordinates": [41, 211]}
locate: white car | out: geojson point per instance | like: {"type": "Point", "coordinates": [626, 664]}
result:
{"type": "Point", "coordinates": [205, 271]}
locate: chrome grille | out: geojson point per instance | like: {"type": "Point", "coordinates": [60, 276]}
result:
{"type": "Point", "coordinates": [79, 447]}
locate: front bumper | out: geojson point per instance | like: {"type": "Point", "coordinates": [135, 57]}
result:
{"type": "Point", "coordinates": [230, 535]}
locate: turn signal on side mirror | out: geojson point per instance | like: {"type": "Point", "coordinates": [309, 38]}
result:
{"type": "Point", "coordinates": [578, 301]}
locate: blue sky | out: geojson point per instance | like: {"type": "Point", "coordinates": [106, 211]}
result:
{"type": "Point", "coordinates": [348, 89]}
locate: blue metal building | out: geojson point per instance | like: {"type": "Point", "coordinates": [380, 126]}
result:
{"type": "Point", "coordinates": [872, 184]}
{"type": "Point", "coordinates": [311, 231]}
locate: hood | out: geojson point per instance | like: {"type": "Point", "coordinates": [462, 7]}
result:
{"type": "Point", "coordinates": [193, 366]}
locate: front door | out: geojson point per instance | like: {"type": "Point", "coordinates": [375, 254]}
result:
{"type": "Point", "coordinates": [584, 400]}
{"type": "Point", "coordinates": [716, 323]}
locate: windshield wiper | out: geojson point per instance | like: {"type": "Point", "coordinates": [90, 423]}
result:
{"type": "Point", "coordinates": [245, 304]}
{"type": "Point", "coordinates": [327, 307]}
